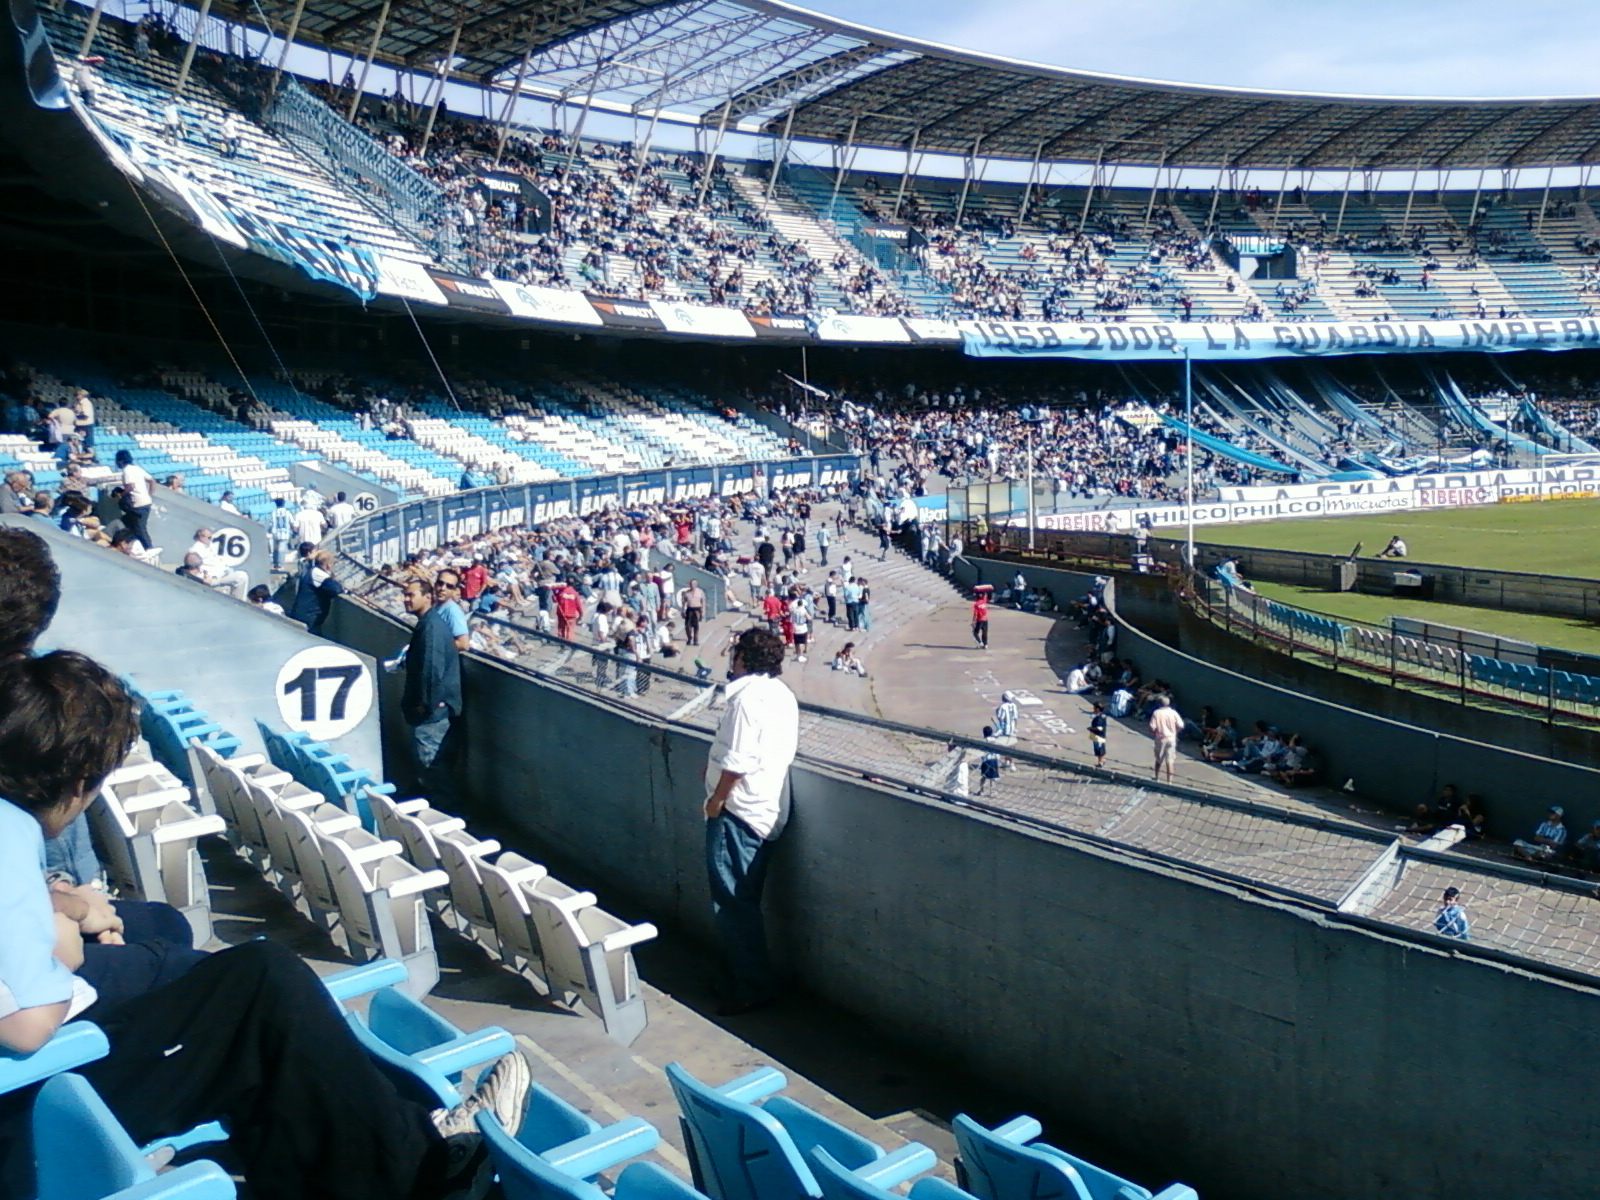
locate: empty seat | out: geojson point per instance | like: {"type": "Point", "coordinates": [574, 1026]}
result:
{"type": "Point", "coordinates": [528, 1170]}
{"type": "Point", "coordinates": [381, 909]}
{"type": "Point", "coordinates": [463, 857]}
{"type": "Point", "coordinates": [747, 1143]}
{"type": "Point", "coordinates": [1005, 1163]}
{"type": "Point", "coordinates": [875, 1180]}
{"type": "Point", "coordinates": [508, 883]}
{"type": "Point", "coordinates": [422, 1053]}
{"type": "Point", "coordinates": [589, 953]}
{"type": "Point", "coordinates": [149, 842]}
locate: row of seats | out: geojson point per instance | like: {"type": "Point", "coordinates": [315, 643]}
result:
{"type": "Point", "coordinates": [1309, 624]}
{"type": "Point", "coordinates": [1540, 682]}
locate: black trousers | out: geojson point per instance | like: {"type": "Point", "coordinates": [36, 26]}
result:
{"type": "Point", "coordinates": [251, 1038]}
{"type": "Point", "coordinates": [159, 950]}
{"type": "Point", "coordinates": [137, 522]}
{"type": "Point", "coordinates": [691, 626]}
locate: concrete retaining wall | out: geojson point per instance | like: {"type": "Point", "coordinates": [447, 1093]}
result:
{"type": "Point", "coordinates": [1253, 1048]}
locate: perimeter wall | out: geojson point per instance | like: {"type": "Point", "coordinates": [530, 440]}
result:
{"type": "Point", "coordinates": [1253, 1048]}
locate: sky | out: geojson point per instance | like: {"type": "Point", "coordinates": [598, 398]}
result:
{"type": "Point", "coordinates": [1395, 47]}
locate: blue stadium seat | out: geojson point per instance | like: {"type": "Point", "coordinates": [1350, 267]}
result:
{"type": "Point", "coordinates": [73, 1045]}
{"type": "Point", "coordinates": [564, 1170]}
{"type": "Point", "coordinates": [747, 1143]}
{"type": "Point", "coordinates": [423, 1053]}
{"type": "Point", "coordinates": [1005, 1163]}
{"type": "Point", "coordinates": [83, 1153]}
{"type": "Point", "coordinates": [874, 1181]}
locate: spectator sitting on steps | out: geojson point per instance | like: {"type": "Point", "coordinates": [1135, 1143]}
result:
{"type": "Point", "coordinates": [1548, 839]}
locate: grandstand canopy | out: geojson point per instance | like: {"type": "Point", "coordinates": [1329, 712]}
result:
{"type": "Point", "coordinates": [763, 65]}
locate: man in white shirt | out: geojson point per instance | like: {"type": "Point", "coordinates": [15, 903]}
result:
{"type": "Point", "coordinates": [341, 512]}
{"type": "Point", "coordinates": [214, 571]}
{"type": "Point", "coordinates": [310, 524]}
{"type": "Point", "coordinates": [745, 777]}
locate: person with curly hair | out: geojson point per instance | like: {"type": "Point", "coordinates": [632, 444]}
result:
{"type": "Point", "coordinates": [746, 774]}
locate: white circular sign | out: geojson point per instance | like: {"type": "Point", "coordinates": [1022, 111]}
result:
{"type": "Point", "coordinates": [231, 545]}
{"type": "Point", "coordinates": [366, 502]}
{"type": "Point", "coordinates": [324, 691]}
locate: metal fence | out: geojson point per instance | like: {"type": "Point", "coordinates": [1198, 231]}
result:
{"type": "Point", "coordinates": [1448, 667]}
{"type": "Point", "coordinates": [414, 203]}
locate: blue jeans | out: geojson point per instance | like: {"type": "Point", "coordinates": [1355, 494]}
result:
{"type": "Point", "coordinates": [864, 615]}
{"type": "Point", "coordinates": [432, 747]}
{"type": "Point", "coordinates": [736, 862]}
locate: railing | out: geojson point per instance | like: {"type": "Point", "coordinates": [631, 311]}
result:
{"type": "Point", "coordinates": [1308, 857]}
{"type": "Point", "coordinates": [1443, 668]}
{"type": "Point", "coordinates": [411, 201]}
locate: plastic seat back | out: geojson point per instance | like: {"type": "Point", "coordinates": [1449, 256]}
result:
{"type": "Point", "coordinates": [997, 1168]}
{"type": "Point", "coordinates": [738, 1151]}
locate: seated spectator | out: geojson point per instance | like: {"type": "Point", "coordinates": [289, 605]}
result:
{"type": "Point", "coordinates": [1258, 749]}
{"type": "Point", "coordinates": [1079, 679]}
{"type": "Point", "coordinates": [193, 570]}
{"type": "Point", "coordinates": [1589, 847]}
{"type": "Point", "coordinates": [847, 660]}
{"type": "Point", "coordinates": [1222, 744]}
{"type": "Point", "coordinates": [1548, 840]}
{"type": "Point", "coordinates": [1470, 816]}
{"type": "Point", "coordinates": [213, 571]}
{"type": "Point", "coordinates": [1121, 703]}
{"type": "Point", "coordinates": [1430, 818]}
{"type": "Point", "coordinates": [249, 1037]}
{"type": "Point", "coordinates": [1395, 549]}
{"type": "Point", "coordinates": [1292, 766]}
{"type": "Point", "coordinates": [261, 598]}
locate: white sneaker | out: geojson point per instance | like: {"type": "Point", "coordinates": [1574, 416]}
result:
{"type": "Point", "coordinates": [503, 1091]}
{"type": "Point", "coordinates": [802, 658]}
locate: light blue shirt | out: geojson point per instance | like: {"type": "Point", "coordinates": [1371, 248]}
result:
{"type": "Point", "coordinates": [30, 975]}
{"type": "Point", "coordinates": [455, 618]}
{"type": "Point", "coordinates": [1452, 922]}
{"type": "Point", "coordinates": [72, 853]}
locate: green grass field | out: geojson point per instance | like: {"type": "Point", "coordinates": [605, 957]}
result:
{"type": "Point", "coordinates": [1547, 538]}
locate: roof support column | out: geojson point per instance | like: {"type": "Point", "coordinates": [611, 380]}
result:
{"type": "Point", "coordinates": [438, 96]}
{"type": "Point", "coordinates": [845, 158]}
{"type": "Point", "coordinates": [366, 63]}
{"type": "Point", "coordinates": [1344, 198]}
{"type": "Point", "coordinates": [1216, 195]}
{"type": "Point", "coordinates": [583, 115]}
{"type": "Point", "coordinates": [1583, 183]}
{"type": "Point", "coordinates": [1411, 194]}
{"type": "Point", "coordinates": [1155, 186]}
{"type": "Point", "coordinates": [288, 41]}
{"type": "Point", "coordinates": [1027, 192]}
{"type": "Point", "coordinates": [1088, 197]}
{"type": "Point", "coordinates": [970, 163]}
{"type": "Point", "coordinates": [194, 43]}
{"type": "Point", "coordinates": [511, 104]}
{"type": "Point", "coordinates": [905, 176]}
{"type": "Point", "coordinates": [1476, 192]}
{"type": "Point", "coordinates": [711, 159]}
{"type": "Point", "coordinates": [780, 153]}
{"type": "Point", "coordinates": [1277, 208]}
{"type": "Point", "coordinates": [94, 27]}
{"type": "Point", "coordinates": [1544, 201]}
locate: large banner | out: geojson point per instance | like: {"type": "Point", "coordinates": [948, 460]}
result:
{"type": "Point", "coordinates": [679, 316]}
{"type": "Point", "coordinates": [1483, 487]}
{"type": "Point", "coordinates": [546, 303]}
{"type": "Point", "coordinates": [779, 326]}
{"type": "Point", "coordinates": [407, 280]}
{"type": "Point", "coordinates": [842, 328]}
{"type": "Point", "coordinates": [464, 291]}
{"type": "Point", "coordinates": [1221, 342]}
{"type": "Point", "coordinates": [625, 314]}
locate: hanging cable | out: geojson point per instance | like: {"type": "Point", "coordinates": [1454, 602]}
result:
{"type": "Point", "coordinates": [422, 337]}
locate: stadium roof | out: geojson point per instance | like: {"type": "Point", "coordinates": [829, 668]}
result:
{"type": "Point", "coordinates": [756, 62]}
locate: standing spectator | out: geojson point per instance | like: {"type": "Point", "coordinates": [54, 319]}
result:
{"type": "Point", "coordinates": [1548, 839]}
{"type": "Point", "coordinates": [87, 80]}
{"type": "Point", "coordinates": [1451, 920]}
{"type": "Point", "coordinates": [989, 761]}
{"type": "Point", "coordinates": [341, 512]}
{"type": "Point", "coordinates": [980, 620]}
{"type": "Point", "coordinates": [883, 539]}
{"type": "Point", "coordinates": [800, 624]}
{"type": "Point", "coordinates": [232, 132]}
{"type": "Point", "coordinates": [315, 589]}
{"type": "Point", "coordinates": [309, 523]}
{"type": "Point", "coordinates": [431, 701]}
{"type": "Point", "coordinates": [1165, 726]}
{"type": "Point", "coordinates": [864, 605]}
{"type": "Point", "coordinates": [281, 531]}
{"type": "Point", "coordinates": [569, 607]}
{"type": "Point", "coordinates": [746, 772]}
{"type": "Point", "coordinates": [136, 498]}
{"type": "Point", "coordinates": [172, 124]}
{"type": "Point", "coordinates": [693, 600]}
{"type": "Point", "coordinates": [824, 540]}
{"type": "Point", "coordinates": [227, 505]}
{"type": "Point", "coordinates": [830, 593]}
{"type": "Point", "coordinates": [1005, 716]}
{"type": "Point", "coordinates": [1098, 727]}
{"type": "Point", "coordinates": [852, 603]}
{"type": "Point", "coordinates": [83, 420]}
